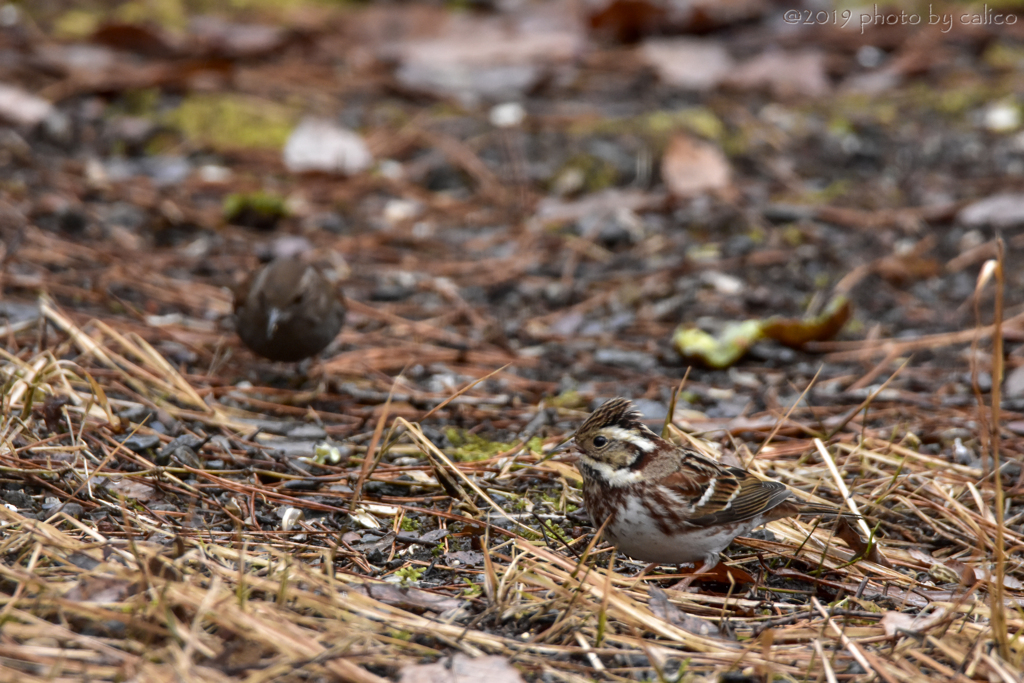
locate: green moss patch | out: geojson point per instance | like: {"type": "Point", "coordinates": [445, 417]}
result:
{"type": "Point", "coordinates": [471, 447]}
{"type": "Point", "coordinates": [229, 122]}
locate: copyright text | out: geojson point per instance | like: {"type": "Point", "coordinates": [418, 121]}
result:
{"type": "Point", "coordinates": [889, 17]}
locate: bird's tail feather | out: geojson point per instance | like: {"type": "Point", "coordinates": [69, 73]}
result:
{"type": "Point", "coordinates": [805, 508]}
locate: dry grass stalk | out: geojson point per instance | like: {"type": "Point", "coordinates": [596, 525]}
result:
{"type": "Point", "coordinates": [209, 590]}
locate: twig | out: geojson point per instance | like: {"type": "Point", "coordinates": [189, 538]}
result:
{"type": "Point", "coordinates": [999, 630]}
{"type": "Point", "coordinates": [830, 675]}
{"type": "Point", "coordinates": [840, 484]}
{"type": "Point", "coordinates": [369, 460]}
{"type": "Point", "coordinates": [785, 418]}
{"type": "Point", "coordinates": [863, 658]}
{"type": "Point", "coordinates": [866, 402]}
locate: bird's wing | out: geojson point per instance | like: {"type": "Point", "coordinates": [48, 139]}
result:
{"type": "Point", "coordinates": [720, 495]}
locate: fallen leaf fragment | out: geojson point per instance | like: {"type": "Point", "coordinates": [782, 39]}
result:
{"type": "Point", "coordinates": [101, 589]}
{"type": "Point", "coordinates": [660, 606]}
{"type": "Point", "coordinates": [137, 38]}
{"type": "Point", "coordinates": [630, 20]}
{"type": "Point", "coordinates": [734, 342]}
{"type": "Point", "coordinates": [236, 40]}
{"type": "Point", "coordinates": [688, 63]}
{"type": "Point", "coordinates": [723, 573]}
{"type": "Point", "coordinates": [462, 669]}
{"type": "Point", "coordinates": [593, 206]}
{"type": "Point", "coordinates": [465, 558]}
{"type": "Point", "coordinates": [626, 20]}
{"type": "Point", "coordinates": [133, 488]}
{"type": "Point", "coordinates": [22, 108]}
{"type": "Point", "coordinates": [984, 574]}
{"type": "Point", "coordinates": [1004, 210]}
{"type": "Point", "coordinates": [861, 549]}
{"type": "Point", "coordinates": [318, 145]}
{"type": "Point", "coordinates": [795, 332]}
{"type": "Point", "coordinates": [412, 599]}
{"type": "Point", "coordinates": [692, 167]}
{"type": "Point", "coordinates": [951, 571]}
{"type": "Point", "coordinates": [476, 59]}
{"type": "Point", "coordinates": [434, 536]}
{"type": "Point", "coordinates": [893, 622]}
{"type": "Point", "coordinates": [906, 268]}
{"type": "Point", "coordinates": [737, 338]}
{"type": "Point", "coordinates": [784, 74]}
{"type": "Point", "coordinates": [365, 519]}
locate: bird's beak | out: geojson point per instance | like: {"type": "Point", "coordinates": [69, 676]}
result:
{"type": "Point", "coordinates": [274, 317]}
{"type": "Point", "coordinates": [565, 451]}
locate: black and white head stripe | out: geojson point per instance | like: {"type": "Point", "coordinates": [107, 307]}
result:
{"type": "Point", "coordinates": [618, 412]}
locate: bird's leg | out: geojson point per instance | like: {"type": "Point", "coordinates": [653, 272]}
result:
{"type": "Point", "coordinates": [707, 566]}
{"type": "Point", "coordinates": [315, 371]}
{"type": "Point", "coordinates": [685, 583]}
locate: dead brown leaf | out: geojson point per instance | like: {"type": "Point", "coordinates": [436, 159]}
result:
{"type": "Point", "coordinates": [723, 573]}
{"type": "Point", "coordinates": [693, 167]}
{"type": "Point", "coordinates": [796, 332]}
{"type": "Point", "coordinates": [627, 21]}
{"type": "Point", "coordinates": [137, 38]}
{"type": "Point", "coordinates": [906, 268]}
{"type": "Point", "coordinates": [861, 549]}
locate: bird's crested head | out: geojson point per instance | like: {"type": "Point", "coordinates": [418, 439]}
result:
{"type": "Point", "coordinates": [613, 443]}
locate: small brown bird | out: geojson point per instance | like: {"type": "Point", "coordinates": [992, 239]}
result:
{"type": "Point", "coordinates": [668, 504]}
{"type": "Point", "coordinates": [288, 311]}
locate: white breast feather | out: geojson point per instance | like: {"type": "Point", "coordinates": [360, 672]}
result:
{"type": "Point", "coordinates": [612, 475]}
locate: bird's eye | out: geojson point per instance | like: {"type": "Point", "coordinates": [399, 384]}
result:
{"type": "Point", "coordinates": [600, 441]}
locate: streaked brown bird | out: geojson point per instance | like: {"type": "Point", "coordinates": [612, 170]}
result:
{"type": "Point", "coordinates": [668, 504]}
{"type": "Point", "coordinates": [288, 311]}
